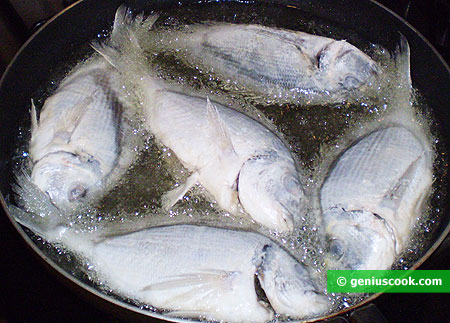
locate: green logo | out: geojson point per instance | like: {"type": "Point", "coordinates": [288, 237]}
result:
{"type": "Point", "coordinates": [388, 281]}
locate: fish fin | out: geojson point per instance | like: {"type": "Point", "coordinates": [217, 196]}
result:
{"type": "Point", "coordinates": [170, 198]}
{"type": "Point", "coordinates": [51, 231]}
{"type": "Point", "coordinates": [65, 130]}
{"type": "Point", "coordinates": [30, 197]}
{"type": "Point", "coordinates": [393, 198]}
{"type": "Point", "coordinates": [34, 120]}
{"type": "Point", "coordinates": [148, 22]}
{"type": "Point", "coordinates": [402, 57]}
{"type": "Point", "coordinates": [35, 210]}
{"type": "Point", "coordinates": [125, 25]}
{"type": "Point", "coordinates": [124, 37]}
{"type": "Point", "coordinates": [124, 18]}
{"type": "Point", "coordinates": [218, 130]}
{"type": "Point", "coordinates": [197, 285]}
{"type": "Point", "coordinates": [125, 54]}
{"type": "Point", "coordinates": [27, 220]}
{"type": "Point", "coordinates": [105, 51]}
{"type": "Point", "coordinates": [122, 40]}
{"type": "Point", "coordinates": [77, 112]}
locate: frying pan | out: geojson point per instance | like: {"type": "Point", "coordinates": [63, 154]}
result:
{"type": "Point", "coordinates": [60, 40]}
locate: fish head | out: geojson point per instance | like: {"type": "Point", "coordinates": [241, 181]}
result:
{"type": "Point", "coordinates": [358, 240]}
{"type": "Point", "coordinates": [345, 66]}
{"type": "Point", "coordinates": [270, 192]}
{"type": "Point", "coordinates": [69, 180]}
{"type": "Point", "coordinates": [288, 285]}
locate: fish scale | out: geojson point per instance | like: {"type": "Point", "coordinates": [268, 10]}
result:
{"type": "Point", "coordinates": [252, 58]}
{"type": "Point", "coordinates": [362, 176]}
{"type": "Point", "coordinates": [282, 65]}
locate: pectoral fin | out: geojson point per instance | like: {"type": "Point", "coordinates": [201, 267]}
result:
{"type": "Point", "coordinates": [171, 197]}
{"type": "Point", "coordinates": [196, 286]}
{"type": "Point", "coordinates": [215, 294]}
{"type": "Point", "coordinates": [395, 195]}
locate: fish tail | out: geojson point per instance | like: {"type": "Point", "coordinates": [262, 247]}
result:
{"type": "Point", "coordinates": [402, 59]}
{"type": "Point", "coordinates": [402, 94]}
{"type": "Point", "coordinates": [28, 220]}
{"type": "Point", "coordinates": [35, 210]}
{"type": "Point", "coordinates": [124, 52]}
{"type": "Point", "coordinates": [122, 40]}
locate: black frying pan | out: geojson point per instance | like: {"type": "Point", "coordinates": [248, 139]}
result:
{"type": "Point", "coordinates": [60, 40]}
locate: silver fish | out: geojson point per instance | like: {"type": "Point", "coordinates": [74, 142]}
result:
{"type": "Point", "coordinates": [195, 271]}
{"type": "Point", "coordinates": [280, 64]}
{"type": "Point", "coordinates": [77, 145]}
{"type": "Point", "coordinates": [372, 197]}
{"type": "Point", "coordinates": [236, 158]}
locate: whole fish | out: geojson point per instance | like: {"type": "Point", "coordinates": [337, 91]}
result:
{"type": "Point", "coordinates": [372, 198]}
{"type": "Point", "coordinates": [81, 143]}
{"type": "Point", "coordinates": [195, 271]}
{"type": "Point", "coordinates": [279, 64]}
{"type": "Point", "coordinates": [77, 143]}
{"type": "Point", "coordinates": [236, 158]}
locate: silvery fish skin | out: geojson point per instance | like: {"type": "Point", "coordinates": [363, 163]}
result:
{"type": "Point", "coordinates": [76, 145]}
{"type": "Point", "coordinates": [245, 163]}
{"type": "Point", "coordinates": [195, 271]}
{"type": "Point", "coordinates": [223, 148]}
{"type": "Point", "coordinates": [372, 198]}
{"type": "Point", "coordinates": [277, 63]}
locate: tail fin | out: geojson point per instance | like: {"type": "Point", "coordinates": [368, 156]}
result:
{"type": "Point", "coordinates": [124, 52]}
{"type": "Point", "coordinates": [123, 38]}
{"type": "Point", "coordinates": [35, 211]}
{"type": "Point", "coordinates": [403, 64]}
{"type": "Point", "coordinates": [402, 95]}
{"type": "Point", "coordinates": [401, 92]}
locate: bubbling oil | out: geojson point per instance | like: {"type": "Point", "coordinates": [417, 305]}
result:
{"type": "Point", "coordinates": [315, 134]}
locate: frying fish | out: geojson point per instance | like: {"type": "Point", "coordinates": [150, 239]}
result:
{"type": "Point", "coordinates": [82, 141]}
{"type": "Point", "coordinates": [233, 156]}
{"type": "Point", "coordinates": [372, 198]}
{"type": "Point", "coordinates": [195, 271]}
{"type": "Point", "coordinates": [76, 145]}
{"type": "Point", "coordinates": [279, 64]}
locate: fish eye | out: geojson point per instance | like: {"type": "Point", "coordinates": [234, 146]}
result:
{"type": "Point", "coordinates": [336, 249]}
{"type": "Point", "coordinates": [77, 192]}
{"type": "Point", "coordinates": [351, 82]}
{"type": "Point", "coordinates": [291, 185]}
{"type": "Point", "coordinates": [295, 205]}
